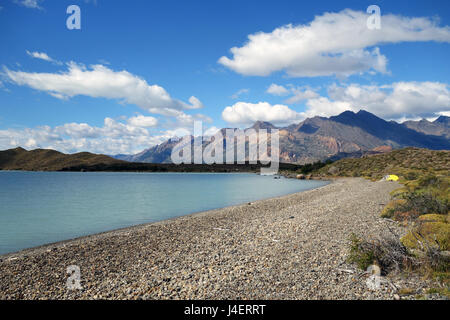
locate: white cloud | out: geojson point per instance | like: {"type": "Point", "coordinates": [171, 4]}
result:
{"type": "Point", "coordinates": [42, 56]}
{"type": "Point", "coordinates": [210, 131]}
{"type": "Point", "coordinates": [397, 101]}
{"type": "Point", "coordinates": [244, 113]}
{"type": "Point", "coordinates": [332, 44]}
{"type": "Point", "coordinates": [277, 90]}
{"type": "Point", "coordinates": [239, 93]}
{"type": "Point", "coordinates": [100, 81]}
{"type": "Point", "coordinates": [298, 93]}
{"type": "Point", "coordinates": [195, 103]}
{"type": "Point", "coordinates": [34, 4]}
{"type": "Point", "coordinates": [324, 107]}
{"type": "Point", "coordinates": [186, 121]}
{"type": "Point", "coordinates": [112, 138]}
{"type": "Point", "coordinates": [301, 94]}
{"type": "Point", "coordinates": [419, 98]}
{"type": "Point", "coordinates": [143, 121]}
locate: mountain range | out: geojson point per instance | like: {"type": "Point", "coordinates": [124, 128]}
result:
{"type": "Point", "coordinates": [347, 134]}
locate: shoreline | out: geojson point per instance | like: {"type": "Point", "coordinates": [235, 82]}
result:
{"type": "Point", "coordinates": [288, 247]}
{"type": "Point", "coordinates": [62, 243]}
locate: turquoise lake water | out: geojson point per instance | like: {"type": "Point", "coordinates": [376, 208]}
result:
{"type": "Point", "coordinates": [43, 207]}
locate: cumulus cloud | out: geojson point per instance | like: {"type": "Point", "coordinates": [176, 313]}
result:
{"type": "Point", "coordinates": [112, 138]}
{"type": "Point", "coordinates": [100, 81]}
{"type": "Point", "coordinates": [180, 119]}
{"type": "Point", "coordinates": [244, 113]}
{"type": "Point", "coordinates": [397, 101]}
{"type": "Point", "coordinates": [332, 44]}
{"type": "Point", "coordinates": [325, 107]}
{"type": "Point", "coordinates": [42, 56]}
{"type": "Point", "coordinates": [298, 93]}
{"type": "Point", "coordinates": [143, 121]}
{"type": "Point", "coordinates": [277, 90]}
{"type": "Point", "coordinates": [125, 136]}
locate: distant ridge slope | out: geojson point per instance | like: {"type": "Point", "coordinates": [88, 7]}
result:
{"type": "Point", "coordinates": [439, 127]}
{"type": "Point", "coordinates": [398, 134]}
{"type": "Point", "coordinates": [405, 161]}
{"type": "Point", "coordinates": [49, 160]}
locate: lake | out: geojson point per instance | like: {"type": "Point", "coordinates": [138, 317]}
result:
{"type": "Point", "coordinates": [43, 207]}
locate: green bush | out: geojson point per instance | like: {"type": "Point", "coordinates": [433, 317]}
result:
{"type": "Point", "coordinates": [432, 233]}
{"type": "Point", "coordinates": [424, 203]}
{"type": "Point", "coordinates": [386, 252]}
{"type": "Point", "coordinates": [390, 209]}
{"type": "Point", "coordinates": [360, 254]}
{"type": "Point", "coordinates": [411, 175]}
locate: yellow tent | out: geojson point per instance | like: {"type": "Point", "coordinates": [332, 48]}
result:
{"type": "Point", "coordinates": [391, 177]}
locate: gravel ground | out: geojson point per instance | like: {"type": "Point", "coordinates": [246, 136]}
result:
{"type": "Point", "coordinates": [291, 247]}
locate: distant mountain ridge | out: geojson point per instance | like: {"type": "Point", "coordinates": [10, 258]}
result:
{"type": "Point", "coordinates": [157, 154]}
{"type": "Point", "coordinates": [347, 134]}
{"type": "Point", "coordinates": [439, 127]}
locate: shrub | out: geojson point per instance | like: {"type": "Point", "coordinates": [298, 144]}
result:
{"type": "Point", "coordinates": [391, 208]}
{"type": "Point", "coordinates": [429, 181]}
{"type": "Point", "coordinates": [433, 218]}
{"type": "Point", "coordinates": [424, 203]}
{"type": "Point", "coordinates": [411, 175]}
{"type": "Point", "coordinates": [406, 291]}
{"type": "Point", "coordinates": [436, 263]}
{"type": "Point", "coordinates": [387, 252]}
{"type": "Point", "coordinates": [333, 170]}
{"type": "Point", "coordinates": [440, 291]}
{"type": "Point", "coordinates": [402, 215]}
{"type": "Point", "coordinates": [428, 234]}
{"type": "Point", "coordinates": [397, 193]}
{"type": "Point", "coordinates": [312, 167]}
{"type": "Point", "coordinates": [360, 253]}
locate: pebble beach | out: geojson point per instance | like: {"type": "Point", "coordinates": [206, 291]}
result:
{"type": "Point", "coordinates": [290, 247]}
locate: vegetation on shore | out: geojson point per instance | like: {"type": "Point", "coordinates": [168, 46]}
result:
{"type": "Point", "coordinates": [421, 205]}
{"type": "Point", "coordinates": [408, 163]}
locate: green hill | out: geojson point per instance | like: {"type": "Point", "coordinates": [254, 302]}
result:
{"type": "Point", "coordinates": [406, 163]}
{"type": "Point", "coordinates": [49, 160]}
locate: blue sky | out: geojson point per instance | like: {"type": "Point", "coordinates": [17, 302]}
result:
{"type": "Point", "coordinates": [126, 79]}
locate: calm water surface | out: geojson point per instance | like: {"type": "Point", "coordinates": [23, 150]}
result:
{"type": "Point", "coordinates": [43, 207]}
